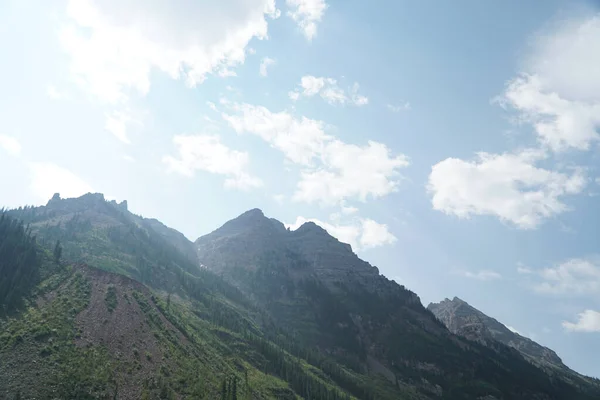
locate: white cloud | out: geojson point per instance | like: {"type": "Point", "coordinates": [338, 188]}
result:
{"type": "Point", "coordinates": [115, 45]}
{"type": "Point", "coordinates": [293, 95]}
{"type": "Point", "coordinates": [356, 98]}
{"type": "Point", "coordinates": [10, 145]}
{"type": "Point", "coordinates": [558, 94]}
{"type": "Point", "coordinates": [300, 139]}
{"type": "Point", "coordinates": [360, 233]}
{"type": "Point", "coordinates": [576, 276]}
{"type": "Point", "coordinates": [329, 90]}
{"type": "Point", "coordinates": [55, 94]}
{"type": "Point", "coordinates": [508, 186]}
{"type": "Point", "coordinates": [483, 275]}
{"type": "Point", "coordinates": [559, 123]}
{"type": "Point", "coordinates": [400, 107]}
{"type": "Point", "coordinates": [48, 178]}
{"type": "Point", "coordinates": [559, 90]}
{"type": "Point", "coordinates": [351, 171]}
{"type": "Point", "coordinates": [279, 198]}
{"type": "Point", "coordinates": [128, 158]}
{"type": "Point", "coordinates": [332, 170]}
{"type": "Point", "coordinates": [116, 122]}
{"type": "Point", "coordinates": [524, 270]}
{"type": "Point", "coordinates": [349, 209]}
{"type": "Point", "coordinates": [207, 153]}
{"type": "Point", "coordinates": [265, 64]}
{"type": "Point", "coordinates": [587, 321]}
{"type": "Point", "coordinates": [307, 13]}
{"type": "Point", "coordinates": [212, 106]}
{"type": "Point", "coordinates": [375, 234]}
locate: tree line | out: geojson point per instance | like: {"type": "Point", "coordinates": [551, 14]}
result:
{"type": "Point", "coordinates": [19, 262]}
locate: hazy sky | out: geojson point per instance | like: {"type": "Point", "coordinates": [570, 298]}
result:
{"type": "Point", "coordinates": [453, 144]}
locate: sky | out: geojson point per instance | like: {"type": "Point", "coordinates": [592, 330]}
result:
{"type": "Point", "coordinates": [454, 145]}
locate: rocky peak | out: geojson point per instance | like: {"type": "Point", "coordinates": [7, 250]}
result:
{"type": "Point", "coordinates": [465, 320]}
{"type": "Point", "coordinates": [121, 206]}
{"type": "Point", "coordinates": [251, 222]}
{"type": "Point", "coordinates": [54, 199]}
{"type": "Point", "coordinates": [89, 202]}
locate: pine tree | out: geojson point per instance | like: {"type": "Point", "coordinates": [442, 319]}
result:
{"type": "Point", "coordinates": [57, 252]}
{"type": "Point", "coordinates": [234, 389]}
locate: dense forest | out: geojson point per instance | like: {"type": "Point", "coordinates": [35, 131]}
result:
{"type": "Point", "coordinates": [19, 262]}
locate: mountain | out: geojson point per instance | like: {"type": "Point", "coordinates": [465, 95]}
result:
{"type": "Point", "coordinates": [321, 291]}
{"type": "Point", "coordinates": [464, 320]}
{"type": "Point", "coordinates": [132, 309]}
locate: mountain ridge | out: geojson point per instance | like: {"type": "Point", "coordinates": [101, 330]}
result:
{"type": "Point", "coordinates": [465, 320]}
{"type": "Point", "coordinates": [287, 314]}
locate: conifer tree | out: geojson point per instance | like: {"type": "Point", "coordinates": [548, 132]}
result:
{"type": "Point", "coordinates": [57, 252]}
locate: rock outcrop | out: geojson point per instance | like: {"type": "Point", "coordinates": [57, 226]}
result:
{"type": "Point", "coordinates": [462, 319]}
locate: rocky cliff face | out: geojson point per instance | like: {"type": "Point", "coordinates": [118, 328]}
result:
{"type": "Point", "coordinates": [462, 319]}
{"type": "Point", "coordinates": [251, 240]}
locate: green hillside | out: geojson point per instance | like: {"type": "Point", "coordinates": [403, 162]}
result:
{"type": "Point", "coordinates": [126, 311]}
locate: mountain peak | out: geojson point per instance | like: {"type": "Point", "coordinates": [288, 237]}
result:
{"type": "Point", "coordinates": [257, 212]}
{"type": "Point", "coordinates": [467, 321]}
{"type": "Point", "coordinates": [310, 226]}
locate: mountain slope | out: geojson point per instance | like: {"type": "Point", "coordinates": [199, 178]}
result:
{"type": "Point", "coordinates": [90, 333]}
{"type": "Point", "coordinates": [253, 311]}
{"type": "Point", "coordinates": [105, 234]}
{"type": "Point", "coordinates": [466, 321]}
{"type": "Point", "coordinates": [327, 297]}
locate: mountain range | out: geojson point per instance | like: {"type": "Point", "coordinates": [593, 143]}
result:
{"type": "Point", "coordinates": [102, 303]}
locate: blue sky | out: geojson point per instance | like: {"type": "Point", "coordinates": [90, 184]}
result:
{"type": "Point", "coordinates": [453, 144]}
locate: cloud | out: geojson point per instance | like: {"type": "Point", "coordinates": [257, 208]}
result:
{"type": "Point", "coordinates": [558, 93]}
{"type": "Point", "coordinates": [114, 46]}
{"type": "Point", "coordinates": [329, 90]}
{"type": "Point", "coordinates": [307, 13]}
{"type": "Point", "coordinates": [116, 122]}
{"type": "Point", "coordinates": [49, 178]}
{"type": "Point", "coordinates": [356, 98]}
{"type": "Point", "coordinates": [576, 276]}
{"type": "Point", "coordinates": [587, 321]}
{"type": "Point", "coordinates": [400, 107]}
{"type": "Point", "coordinates": [55, 94]}
{"type": "Point", "coordinates": [10, 145]}
{"type": "Point", "coordinates": [299, 139]}
{"type": "Point", "coordinates": [332, 170]}
{"type": "Point", "coordinates": [509, 186]}
{"type": "Point", "coordinates": [559, 123]}
{"type": "Point", "coordinates": [351, 171]}
{"type": "Point", "coordinates": [482, 275]}
{"type": "Point", "coordinates": [279, 198]}
{"type": "Point", "coordinates": [524, 270]}
{"type": "Point", "coordinates": [375, 234]}
{"type": "Point", "coordinates": [207, 153]}
{"type": "Point", "coordinates": [360, 233]}
{"type": "Point", "coordinates": [349, 210]}
{"type": "Point", "coordinates": [265, 64]}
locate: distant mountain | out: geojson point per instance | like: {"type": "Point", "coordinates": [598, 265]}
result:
{"type": "Point", "coordinates": [466, 321]}
{"type": "Point", "coordinates": [131, 309]}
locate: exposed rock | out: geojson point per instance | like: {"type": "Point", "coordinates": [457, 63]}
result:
{"type": "Point", "coordinates": [467, 321]}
